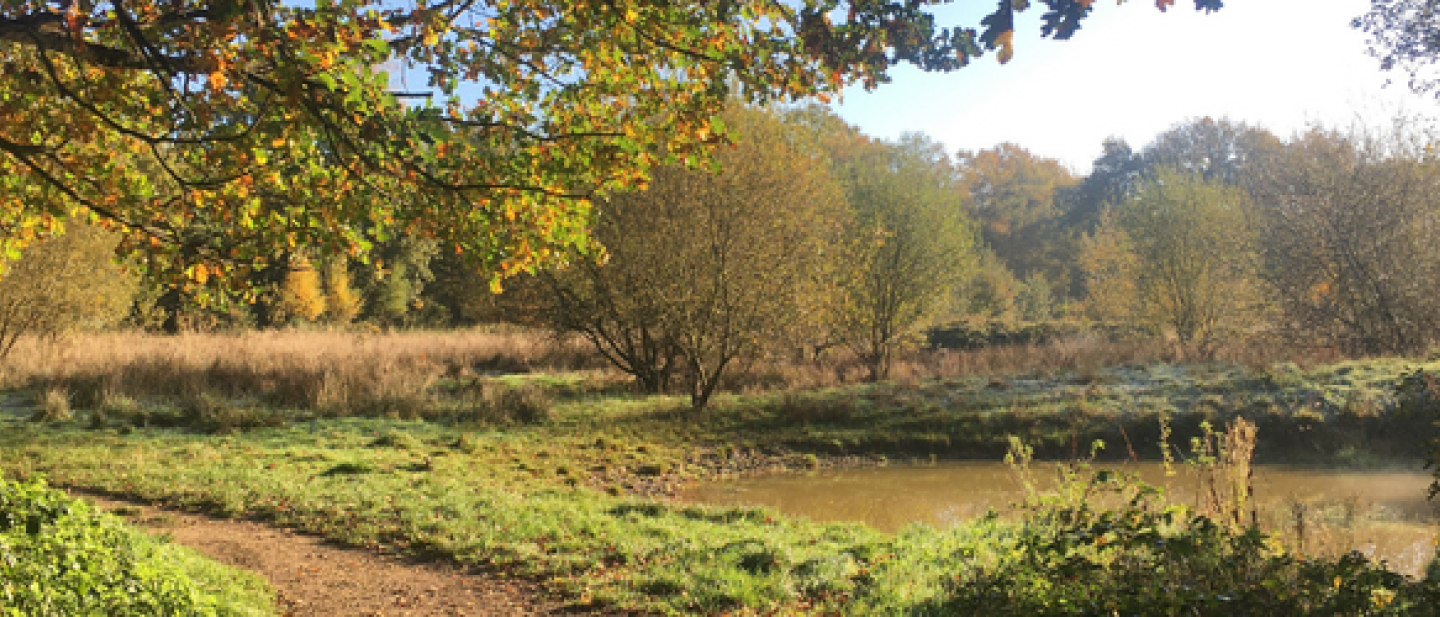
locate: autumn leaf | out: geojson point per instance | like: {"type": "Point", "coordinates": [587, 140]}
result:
{"type": "Point", "coordinates": [1007, 47]}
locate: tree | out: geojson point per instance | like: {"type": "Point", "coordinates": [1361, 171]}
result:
{"type": "Point", "coordinates": [218, 135]}
{"type": "Point", "coordinates": [1034, 299]}
{"type": "Point", "coordinates": [707, 269]}
{"type": "Point", "coordinates": [991, 292]}
{"type": "Point", "coordinates": [913, 246]}
{"type": "Point", "coordinates": [1402, 35]}
{"type": "Point", "coordinates": [1013, 196]}
{"type": "Point", "coordinates": [1216, 150]}
{"type": "Point", "coordinates": [394, 281]}
{"type": "Point", "coordinates": [63, 284]}
{"type": "Point", "coordinates": [302, 295]}
{"type": "Point", "coordinates": [1351, 244]}
{"type": "Point", "coordinates": [342, 301]}
{"type": "Point", "coordinates": [1182, 249]}
{"type": "Point", "coordinates": [1114, 177]}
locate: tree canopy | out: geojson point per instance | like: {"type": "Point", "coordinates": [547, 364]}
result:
{"type": "Point", "coordinates": [218, 135]}
{"type": "Point", "coordinates": [1402, 35]}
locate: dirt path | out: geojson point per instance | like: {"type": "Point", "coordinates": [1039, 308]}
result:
{"type": "Point", "coordinates": [314, 578]}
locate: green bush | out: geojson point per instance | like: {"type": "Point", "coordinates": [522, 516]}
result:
{"type": "Point", "coordinates": [59, 556]}
{"type": "Point", "coordinates": [1418, 398]}
{"type": "Point", "coordinates": [1113, 547]}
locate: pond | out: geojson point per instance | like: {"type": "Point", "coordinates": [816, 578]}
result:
{"type": "Point", "coordinates": [1382, 514]}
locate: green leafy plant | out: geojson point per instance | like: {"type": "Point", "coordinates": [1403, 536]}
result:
{"type": "Point", "coordinates": [60, 557]}
{"type": "Point", "coordinates": [1103, 543]}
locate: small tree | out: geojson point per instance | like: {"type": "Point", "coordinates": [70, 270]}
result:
{"type": "Point", "coordinates": [301, 295]}
{"type": "Point", "coordinates": [1035, 299]}
{"type": "Point", "coordinates": [1183, 247]}
{"type": "Point", "coordinates": [66, 283]}
{"type": "Point", "coordinates": [708, 268]}
{"type": "Point", "coordinates": [342, 302]}
{"type": "Point", "coordinates": [913, 245]}
{"type": "Point", "coordinates": [990, 293]}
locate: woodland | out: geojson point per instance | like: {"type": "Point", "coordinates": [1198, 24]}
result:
{"type": "Point", "coordinates": [609, 250]}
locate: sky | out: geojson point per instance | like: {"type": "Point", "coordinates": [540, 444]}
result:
{"type": "Point", "coordinates": [1132, 71]}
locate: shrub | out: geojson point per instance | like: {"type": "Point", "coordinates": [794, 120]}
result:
{"type": "Point", "coordinates": [1418, 397]}
{"type": "Point", "coordinates": [1108, 544]}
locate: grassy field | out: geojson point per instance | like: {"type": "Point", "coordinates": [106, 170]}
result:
{"type": "Point", "coordinates": [423, 448]}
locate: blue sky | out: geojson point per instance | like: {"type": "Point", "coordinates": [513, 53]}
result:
{"type": "Point", "coordinates": [1133, 71]}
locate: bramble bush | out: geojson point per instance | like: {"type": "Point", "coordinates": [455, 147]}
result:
{"type": "Point", "coordinates": [60, 556]}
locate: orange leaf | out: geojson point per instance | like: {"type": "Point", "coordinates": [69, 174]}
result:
{"type": "Point", "coordinates": [1006, 44]}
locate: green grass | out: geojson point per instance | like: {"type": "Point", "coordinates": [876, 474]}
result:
{"type": "Point", "coordinates": [554, 499]}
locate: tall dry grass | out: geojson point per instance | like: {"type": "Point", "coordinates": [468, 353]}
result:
{"type": "Point", "coordinates": [349, 373]}
{"type": "Point", "coordinates": [336, 372]}
{"type": "Point", "coordinates": [1083, 354]}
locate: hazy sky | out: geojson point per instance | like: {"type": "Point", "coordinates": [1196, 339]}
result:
{"type": "Point", "coordinates": [1133, 71]}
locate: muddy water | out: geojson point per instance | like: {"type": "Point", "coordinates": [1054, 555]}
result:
{"type": "Point", "coordinates": [1382, 514]}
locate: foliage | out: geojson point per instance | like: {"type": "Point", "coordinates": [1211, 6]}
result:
{"type": "Point", "coordinates": [218, 136]}
{"type": "Point", "coordinates": [912, 245]}
{"type": "Point", "coordinates": [59, 556]}
{"type": "Point", "coordinates": [1034, 299]}
{"type": "Point", "coordinates": [991, 292]}
{"type": "Point", "coordinates": [1351, 246]}
{"type": "Point", "coordinates": [342, 301]}
{"type": "Point", "coordinates": [1181, 252]}
{"type": "Point", "coordinates": [393, 284]}
{"type": "Point", "coordinates": [1419, 397]}
{"type": "Point", "coordinates": [1107, 544]}
{"type": "Point", "coordinates": [1218, 151]}
{"type": "Point", "coordinates": [1114, 177]}
{"type": "Point", "coordinates": [1402, 37]}
{"type": "Point", "coordinates": [61, 285]}
{"type": "Point", "coordinates": [302, 295]}
{"type": "Point", "coordinates": [707, 269]}
{"type": "Point", "coordinates": [1013, 199]}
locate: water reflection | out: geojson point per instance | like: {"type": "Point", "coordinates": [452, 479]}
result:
{"type": "Point", "coordinates": [1383, 514]}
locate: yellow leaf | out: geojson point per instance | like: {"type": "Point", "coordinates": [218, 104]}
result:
{"type": "Point", "coordinates": [431, 37]}
{"type": "Point", "coordinates": [1006, 44]}
{"type": "Point", "coordinates": [201, 274]}
{"type": "Point", "coordinates": [217, 81]}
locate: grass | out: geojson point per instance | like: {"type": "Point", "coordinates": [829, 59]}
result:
{"type": "Point", "coordinates": [546, 474]}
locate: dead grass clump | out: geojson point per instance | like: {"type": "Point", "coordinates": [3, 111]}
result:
{"type": "Point", "coordinates": [52, 405]}
{"type": "Point", "coordinates": [398, 440]}
{"type": "Point", "coordinates": [210, 413]}
{"type": "Point", "coordinates": [504, 405]}
{"type": "Point", "coordinates": [524, 404]}
{"type": "Point", "coordinates": [803, 409]}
